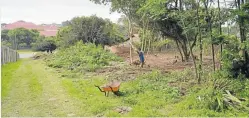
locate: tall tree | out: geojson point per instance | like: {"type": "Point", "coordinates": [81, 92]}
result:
{"type": "Point", "coordinates": [242, 17]}
{"type": "Point", "coordinates": [90, 30]}
{"type": "Point", "coordinates": [187, 37]}
{"type": "Point", "coordinates": [208, 19]}
{"type": "Point", "coordinates": [166, 15]}
{"type": "Point", "coordinates": [128, 8]}
{"type": "Point", "coordinates": [22, 36]}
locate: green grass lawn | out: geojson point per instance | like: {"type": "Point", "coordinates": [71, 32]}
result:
{"type": "Point", "coordinates": [30, 88]}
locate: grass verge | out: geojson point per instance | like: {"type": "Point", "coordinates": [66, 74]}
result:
{"type": "Point", "coordinates": [7, 72]}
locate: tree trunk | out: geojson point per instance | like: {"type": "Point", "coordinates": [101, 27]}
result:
{"type": "Point", "coordinates": [185, 50]}
{"type": "Point", "coordinates": [220, 32]}
{"type": "Point", "coordinates": [146, 32]}
{"type": "Point", "coordinates": [150, 39]}
{"type": "Point", "coordinates": [179, 49]}
{"type": "Point", "coordinates": [191, 52]}
{"type": "Point", "coordinates": [130, 35]}
{"type": "Point", "coordinates": [142, 42]}
{"type": "Point", "coordinates": [149, 45]}
{"type": "Point", "coordinates": [200, 41]}
{"type": "Point", "coordinates": [180, 4]}
{"type": "Point", "coordinates": [209, 17]}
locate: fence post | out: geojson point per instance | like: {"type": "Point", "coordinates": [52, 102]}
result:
{"type": "Point", "coordinates": [5, 55]}
{"type": "Point", "coordinates": [12, 56]}
{"type": "Point", "coordinates": [2, 55]}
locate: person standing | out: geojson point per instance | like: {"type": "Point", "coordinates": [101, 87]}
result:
{"type": "Point", "coordinates": [141, 56]}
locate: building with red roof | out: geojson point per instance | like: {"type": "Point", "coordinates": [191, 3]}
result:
{"type": "Point", "coordinates": [44, 29]}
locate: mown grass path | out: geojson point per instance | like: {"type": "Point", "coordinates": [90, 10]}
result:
{"type": "Point", "coordinates": [29, 88]}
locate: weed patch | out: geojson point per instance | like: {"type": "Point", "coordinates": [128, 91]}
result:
{"type": "Point", "coordinates": [81, 57]}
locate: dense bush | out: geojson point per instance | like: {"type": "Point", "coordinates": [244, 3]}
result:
{"type": "Point", "coordinates": [19, 37]}
{"type": "Point", "coordinates": [90, 30]}
{"type": "Point", "coordinates": [44, 44]}
{"type": "Point", "coordinates": [81, 57]}
{"type": "Point", "coordinates": [232, 60]}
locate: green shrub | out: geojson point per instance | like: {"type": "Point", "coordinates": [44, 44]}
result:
{"type": "Point", "coordinates": [44, 45]}
{"type": "Point", "coordinates": [81, 56]}
{"type": "Point", "coordinates": [221, 83]}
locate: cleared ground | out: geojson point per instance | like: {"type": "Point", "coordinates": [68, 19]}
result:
{"type": "Point", "coordinates": [166, 61]}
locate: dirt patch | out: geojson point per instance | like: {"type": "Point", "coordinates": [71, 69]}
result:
{"type": "Point", "coordinates": [123, 109]}
{"type": "Point", "coordinates": [161, 61]}
{"type": "Point", "coordinates": [121, 72]}
{"type": "Point", "coordinates": [39, 55]}
{"type": "Point", "coordinates": [124, 71]}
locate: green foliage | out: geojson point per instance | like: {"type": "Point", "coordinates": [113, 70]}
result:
{"type": "Point", "coordinates": [154, 8]}
{"type": "Point", "coordinates": [89, 30]}
{"type": "Point", "coordinates": [232, 57]}
{"type": "Point", "coordinates": [64, 37]}
{"type": "Point", "coordinates": [43, 44]}
{"type": "Point", "coordinates": [6, 43]}
{"type": "Point", "coordinates": [222, 82]}
{"type": "Point", "coordinates": [243, 13]}
{"type": "Point", "coordinates": [81, 57]}
{"type": "Point", "coordinates": [218, 39]}
{"type": "Point", "coordinates": [4, 35]}
{"type": "Point", "coordinates": [208, 99]}
{"type": "Point", "coordinates": [23, 36]}
{"type": "Point", "coordinates": [201, 103]}
{"type": "Point", "coordinates": [161, 43]}
{"type": "Point", "coordinates": [230, 41]}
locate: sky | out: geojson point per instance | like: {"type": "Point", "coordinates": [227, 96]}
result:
{"type": "Point", "coordinates": [51, 11]}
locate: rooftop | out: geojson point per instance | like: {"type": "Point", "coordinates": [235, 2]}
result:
{"type": "Point", "coordinates": [44, 29]}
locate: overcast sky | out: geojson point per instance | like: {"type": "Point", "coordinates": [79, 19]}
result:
{"type": "Point", "coordinates": [51, 11]}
